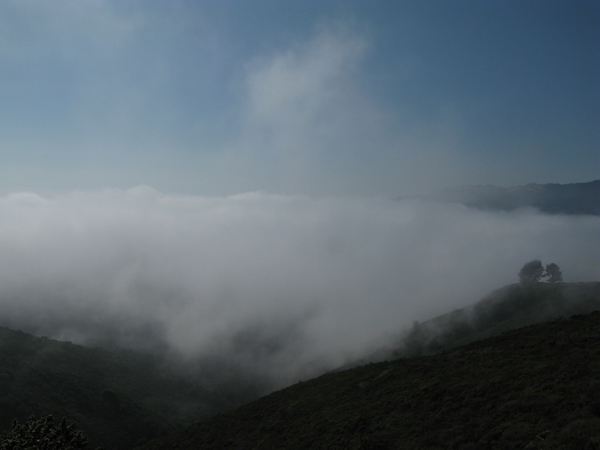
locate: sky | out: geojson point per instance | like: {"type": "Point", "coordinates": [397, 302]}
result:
{"type": "Point", "coordinates": [318, 98]}
{"type": "Point", "coordinates": [223, 178]}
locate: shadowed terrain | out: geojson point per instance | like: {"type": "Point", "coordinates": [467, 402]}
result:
{"type": "Point", "coordinates": [118, 398]}
{"type": "Point", "coordinates": [121, 399]}
{"type": "Point", "coordinates": [536, 387]}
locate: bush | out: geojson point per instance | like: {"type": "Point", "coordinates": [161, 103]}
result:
{"type": "Point", "coordinates": [531, 272]}
{"type": "Point", "coordinates": [42, 434]}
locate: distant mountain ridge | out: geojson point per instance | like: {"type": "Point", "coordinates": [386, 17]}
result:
{"type": "Point", "coordinates": [572, 199]}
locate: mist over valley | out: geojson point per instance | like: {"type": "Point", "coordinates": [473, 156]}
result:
{"type": "Point", "coordinates": [280, 287]}
{"type": "Point", "coordinates": [203, 202]}
{"type": "Point", "coordinates": [202, 304]}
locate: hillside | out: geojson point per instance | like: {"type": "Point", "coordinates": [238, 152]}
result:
{"type": "Point", "coordinates": [508, 308]}
{"type": "Point", "coordinates": [575, 198]}
{"type": "Point", "coordinates": [121, 398]}
{"type": "Point", "coordinates": [118, 398]}
{"type": "Point", "coordinates": [535, 387]}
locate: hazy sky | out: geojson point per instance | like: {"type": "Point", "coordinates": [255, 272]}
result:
{"type": "Point", "coordinates": [317, 98]}
{"type": "Point", "coordinates": [217, 177]}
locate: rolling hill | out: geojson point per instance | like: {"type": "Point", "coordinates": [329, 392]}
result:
{"type": "Point", "coordinates": [117, 398]}
{"type": "Point", "coordinates": [508, 308]}
{"type": "Point", "coordinates": [535, 387]}
{"type": "Point", "coordinates": [480, 385]}
{"type": "Point", "coordinates": [121, 399]}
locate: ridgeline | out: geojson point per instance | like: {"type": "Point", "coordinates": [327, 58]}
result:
{"type": "Point", "coordinates": [533, 387]}
{"type": "Point", "coordinates": [571, 199]}
{"type": "Point", "coordinates": [536, 387]}
{"type": "Point", "coordinates": [459, 381]}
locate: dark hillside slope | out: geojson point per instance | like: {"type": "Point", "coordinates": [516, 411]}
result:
{"type": "Point", "coordinates": [508, 308]}
{"type": "Point", "coordinates": [117, 398]}
{"type": "Point", "coordinates": [536, 387]}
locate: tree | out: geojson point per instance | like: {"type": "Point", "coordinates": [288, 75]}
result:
{"type": "Point", "coordinates": [531, 272]}
{"type": "Point", "coordinates": [553, 273]}
{"type": "Point", "coordinates": [42, 434]}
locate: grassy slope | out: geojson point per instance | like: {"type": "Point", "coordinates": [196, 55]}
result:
{"type": "Point", "coordinates": [118, 398]}
{"type": "Point", "coordinates": [508, 308]}
{"type": "Point", "coordinates": [537, 385]}
{"type": "Point", "coordinates": [123, 398]}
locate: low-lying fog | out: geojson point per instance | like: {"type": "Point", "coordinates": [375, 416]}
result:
{"type": "Point", "coordinates": [279, 285]}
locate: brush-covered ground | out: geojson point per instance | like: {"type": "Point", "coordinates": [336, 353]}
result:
{"type": "Point", "coordinates": [537, 387]}
{"type": "Point", "coordinates": [121, 399]}
{"type": "Point", "coordinates": [508, 308]}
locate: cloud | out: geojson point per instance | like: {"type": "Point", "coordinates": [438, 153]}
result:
{"type": "Point", "coordinates": [301, 82]}
{"type": "Point", "coordinates": [300, 110]}
{"type": "Point", "coordinates": [100, 94]}
{"type": "Point", "coordinates": [308, 124]}
{"type": "Point", "coordinates": [280, 285]}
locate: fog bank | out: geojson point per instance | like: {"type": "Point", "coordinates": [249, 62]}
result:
{"type": "Point", "coordinates": [279, 285]}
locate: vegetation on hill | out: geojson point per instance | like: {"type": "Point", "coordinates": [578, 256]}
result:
{"type": "Point", "coordinates": [121, 399]}
{"type": "Point", "coordinates": [42, 434]}
{"type": "Point", "coordinates": [504, 309]}
{"type": "Point", "coordinates": [537, 387]}
{"type": "Point", "coordinates": [118, 398]}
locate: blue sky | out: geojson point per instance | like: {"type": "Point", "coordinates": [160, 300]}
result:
{"type": "Point", "coordinates": [202, 169]}
{"type": "Point", "coordinates": [322, 98]}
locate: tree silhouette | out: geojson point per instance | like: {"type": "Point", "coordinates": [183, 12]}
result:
{"type": "Point", "coordinates": [553, 273]}
{"type": "Point", "coordinates": [532, 272]}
